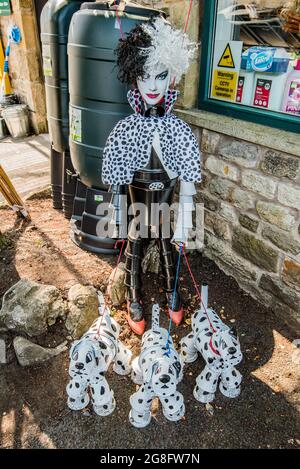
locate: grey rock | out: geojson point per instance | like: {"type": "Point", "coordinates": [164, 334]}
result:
{"type": "Point", "coordinates": [276, 215]}
{"type": "Point", "coordinates": [289, 195]}
{"type": "Point", "coordinates": [282, 240]}
{"type": "Point", "coordinates": [83, 309]}
{"type": "Point", "coordinates": [241, 152]}
{"type": "Point", "coordinates": [116, 286]}
{"type": "Point", "coordinates": [29, 353]}
{"type": "Point", "coordinates": [210, 141]}
{"type": "Point", "coordinates": [248, 222]}
{"type": "Point", "coordinates": [219, 226]}
{"type": "Point", "coordinates": [232, 264]}
{"type": "Point", "coordinates": [29, 307]}
{"type": "Point", "coordinates": [209, 202]}
{"type": "Point", "coordinates": [291, 272]}
{"type": "Point", "coordinates": [228, 212]}
{"type": "Point", "coordinates": [282, 292]}
{"type": "Point", "coordinates": [151, 261]}
{"type": "Point", "coordinates": [231, 193]}
{"type": "Point", "coordinates": [280, 165]}
{"type": "Point", "coordinates": [255, 250]}
{"type": "Point", "coordinates": [256, 182]}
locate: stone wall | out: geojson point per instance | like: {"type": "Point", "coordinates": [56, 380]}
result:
{"type": "Point", "coordinates": [25, 61]}
{"type": "Point", "coordinates": [251, 196]}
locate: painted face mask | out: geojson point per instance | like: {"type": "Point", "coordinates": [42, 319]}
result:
{"type": "Point", "coordinates": [154, 85]}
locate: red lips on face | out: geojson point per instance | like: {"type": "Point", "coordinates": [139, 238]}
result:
{"type": "Point", "coordinates": [152, 96]}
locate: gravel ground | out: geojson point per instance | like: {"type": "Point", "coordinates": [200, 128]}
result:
{"type": "Point", "coordinates": [33, 410]}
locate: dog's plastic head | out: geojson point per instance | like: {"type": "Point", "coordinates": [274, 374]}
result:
{"type": "Point", "coordinates": [166, 374]}
{"type": "Point", "coordinates": [229, 347]}
{"type": "Point", "coordinates": [87, 356]}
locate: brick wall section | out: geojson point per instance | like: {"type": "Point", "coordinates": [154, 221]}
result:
{"type": "Point", "coordinates": [25, 62]}
{"type": "Point", "coordinates": [251, 196]}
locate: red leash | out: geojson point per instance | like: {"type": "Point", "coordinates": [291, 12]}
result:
{"type": "Point", "coordinates": [197, 289]}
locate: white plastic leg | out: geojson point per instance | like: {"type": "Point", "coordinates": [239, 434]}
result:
{"type": "Point", "coordinates": [107, 408]}
{"type": "Point", "coordinates": [173, 406]}
{"type": "Point", "coordinates": [230, 383]}
{"type": "Point", "coordinates": [136, 372]}
{"type": "Point", "coordinates": [122, 360]}
{"type": "Point", "coordinates": [140, 401]}
{"type": "Point", "coordinates": [188, 351]}
{"type": "Point", "coordinates": [206, 385]}
{"type": "Point", "coordinates": [78, 397]}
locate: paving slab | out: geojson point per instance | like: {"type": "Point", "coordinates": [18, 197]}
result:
{"type": "Point", "coordinates": [27, 162]}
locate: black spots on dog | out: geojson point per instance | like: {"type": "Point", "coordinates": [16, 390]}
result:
{"type": "Point", "coordinates": [210, 360]}
{"type": "Point", "coordinates": [119, 362]}
{"type": "Point", "coordinates": [184, 353]}
{"type": "Point", "coordinates": [102, 390]}
{"type": "Point", "coordinates": [82, 400]}
{"type": "Point", "coordinates": [102, 345]}
{"type": "Point", "coordinates": [177, 398]}
{"type": "Point", "coordinates": [206, 346]}
{"type": "Point", "coordinates": [71, 399]}
{"type": "Point", "coordinates": [231, 350]}
{"type": "Point", "coordinates": [72, 385]}
{"type": "Point", "coordinates": [202, 319]}
{"type": "Point", "coordinates": [114, 328]}
{"type": "Point", "coordinates": [76, 385]}
{"type": "Point", "coordinates": [143, 362]}
{"type": "Point", "coordinates": [234, 373]}
{"type": "Point", "coordinates": [140, 401]}
{"type": "Point", "coordinates": [105, 406]}
{"type": "Point", "coordinates": [171, 407]}
{"type": "Point", "coordinates": [205, 393]}
{"type": "Point", "coordinates": [208, 376]}
{"type": "Point", "coordinates": [93, 390]}
{"type": "Point", "coordinates": [197, 388]}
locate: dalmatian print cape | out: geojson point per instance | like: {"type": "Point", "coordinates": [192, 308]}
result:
{"type": "Point", "coordinates": [128, 147]}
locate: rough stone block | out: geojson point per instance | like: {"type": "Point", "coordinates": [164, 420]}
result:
{"type": "Point", "coordinates": [241, 152]}
{"type": "Point", "coordinates": [228, 260]}
{"type": "Point", "coordinates": [281, 291]}
{"type": "Point", "coordinates": [210, 141]}
{"type": "Point", "coordinates": [280, 164]}
{"type": "Point", "coordinates": [282, 240]}
{"type": "Point", "coordinates": [219, 226]}
{"type": "Point", "coordinates": [228, 212]}
{"type": "Point", "coordinates": [209, 202]}
{"type": "Point", "coordinates": [289, 195]}
{"type": "Point", "coordinates": [255, 250]}
{"type": "Point", "coordinates": [259, 183]}
{"type": "Point", "coordinates": [231, 193]}
{"type": "Point", "coordinates": [248, 222]}
{"type": "Point", "coordinates": [275, 215]}
{"type": "Point", "coordinates": [220, 168]}
{"type": "Point", "coordinates": [291, 272]}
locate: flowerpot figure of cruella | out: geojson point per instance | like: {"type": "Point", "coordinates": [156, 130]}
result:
{"type": "Point", "coordinates": [147, 153]}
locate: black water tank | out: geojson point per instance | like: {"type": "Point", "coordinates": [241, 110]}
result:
{"type": "Point", "coordinates": [97, 98]}
{"type": "Point", "coordinates": [55, 22]}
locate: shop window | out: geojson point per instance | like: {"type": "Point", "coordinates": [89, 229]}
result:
{"type": "Point", "coordinates": [250, 65]}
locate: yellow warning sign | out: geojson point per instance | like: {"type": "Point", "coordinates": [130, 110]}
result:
{"type": "Point", "coordinates": [226, 59]}
{"type": "Point", "coordinates": [224, 85]}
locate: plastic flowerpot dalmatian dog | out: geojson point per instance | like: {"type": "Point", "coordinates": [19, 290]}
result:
{"type": "Point", "coordinates": [220, 348]}
{"type": "Point", "coordinates": [158, 370]}
{"type": "Point", "coordinates": [90, 358]}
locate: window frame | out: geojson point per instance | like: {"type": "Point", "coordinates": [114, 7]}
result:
{"type": "Point", "coordinates": [260, 116]}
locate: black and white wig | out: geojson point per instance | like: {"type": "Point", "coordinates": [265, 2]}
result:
{"type": "Point", "coordinates": [151, 45]}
